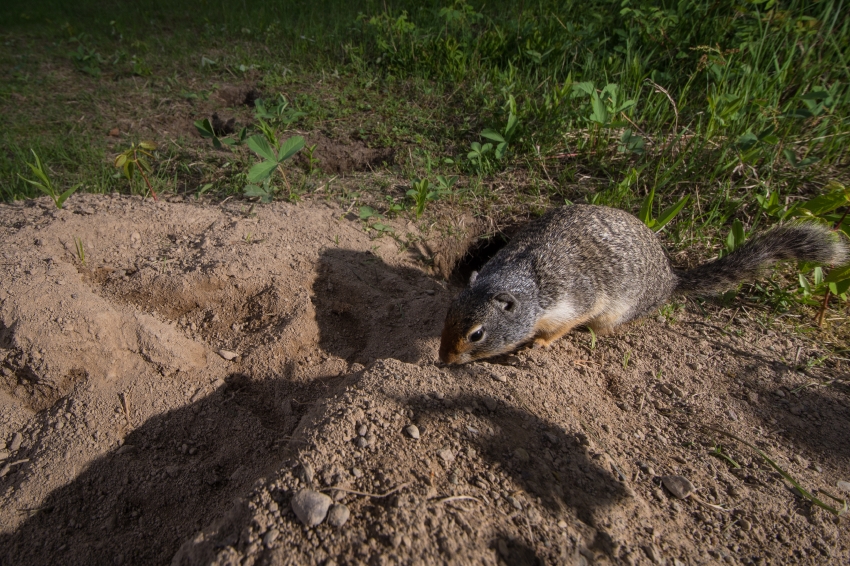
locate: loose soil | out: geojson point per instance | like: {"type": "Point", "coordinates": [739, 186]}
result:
{"type": "Point", "coordinates": [164, 401]}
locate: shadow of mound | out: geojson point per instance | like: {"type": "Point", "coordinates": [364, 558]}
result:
{"type": "Point", "coordinates": [174, 474]}
{"type": "Point", "coordinates": [367, 310]}
{"type": "Point", "coordinates": [562, 468]}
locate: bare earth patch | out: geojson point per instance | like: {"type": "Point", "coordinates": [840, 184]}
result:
{"type": "Point", "coordinates": [166, 400]}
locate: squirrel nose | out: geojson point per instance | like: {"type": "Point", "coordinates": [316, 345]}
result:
{"type": "Point", "coordinates": [446, 356]}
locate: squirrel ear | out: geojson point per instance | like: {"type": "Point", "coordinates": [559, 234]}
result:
{"type": "Point", "coordinates": [473, 277]}
{"type": "Point", "coordinates": [507, 302]}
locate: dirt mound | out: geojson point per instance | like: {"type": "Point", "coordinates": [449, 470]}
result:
{"type": "Point", "coordinates": [166, 399]}
{"type": "Point", "coordinates": [337, 157]}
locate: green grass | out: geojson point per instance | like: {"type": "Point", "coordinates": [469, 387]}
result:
{"type": "Point", "coordinates": [608, 100]}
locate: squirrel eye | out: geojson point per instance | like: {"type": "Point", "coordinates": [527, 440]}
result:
{"type": "Point", "coordinates": [477, 335]}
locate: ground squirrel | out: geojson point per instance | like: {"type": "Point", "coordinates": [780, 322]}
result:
{"type": "Point", "coordinates": [599, 267]}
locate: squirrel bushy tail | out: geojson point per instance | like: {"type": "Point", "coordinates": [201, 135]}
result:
{"type": "Point", "coordinates": [805, 241]}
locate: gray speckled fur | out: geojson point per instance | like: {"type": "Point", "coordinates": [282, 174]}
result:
{"type": "Point", "coordinates": [605, 261]}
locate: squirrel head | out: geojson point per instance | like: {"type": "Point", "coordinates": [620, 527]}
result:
{"type": "Point", "coordinates": [482, 323]}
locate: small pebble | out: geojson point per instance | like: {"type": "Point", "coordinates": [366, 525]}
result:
{"type": "Point", "coordinates": [744, 524]}
{"type": "Point", "coordinates": [499, 377]}
{"type": "Point", "coordinates": [338, 515]}
{"type": "Point", "coordinates": [311, 507]}
{"type": "Point", "coordinates": [732, 415]}
{"type": "Point", "coordinates": [362, 430]}
{"type": "Point", "coordinates": [270, 536]}
{"type": "Point", "coordinates": [412, 431]}
{"type": "Point", "coordinates": [679, 486]}
{"type": "Point", "coordinates": [515, 502]}
{"type": "Point", "coordinates": [446, 455]}
{"type": "Point", "coordinates": [844, 486]}
{"type": "Point", "coordinates": [227, 355]}
{"type": "Point", "coordinates": [490, 403]}
{"type": "Point", "coordinates": [17, 439]}
{"type": "Point", "coordinates": [357, 472]}
{"type": "Point", "coordinates": [361, 442]}
{"type": "Point", "coordinates": [802, 462]}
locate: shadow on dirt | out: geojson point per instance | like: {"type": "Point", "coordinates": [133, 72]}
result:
{"type": "Point", "coordinates": [173, 475]}
{"type": "Point", "coordinates": [367, 310]}
{"type": "Point", "coordinates": [552, 464]}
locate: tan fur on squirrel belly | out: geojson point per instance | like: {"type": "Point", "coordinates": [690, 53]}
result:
{"type": "Point", "coordinates": [599, 267]}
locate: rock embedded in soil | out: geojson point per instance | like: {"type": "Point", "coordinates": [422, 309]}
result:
{"type": "Point", "coordinates": [412, 431]}
{"type": "Point", "coordinates": [17, 439]}
{"type": "Point", "coordinates": [270, 536]}
{"type": "Point", "coordinates": [679, 486]}
{"type": "Point", "coordinates": [311, 507]}
{"type": "Point", "coordinates": [338, 515]}
{"type": "Point", "coordinates": [228, 355]}
{"type": "Point", "coordinates": [446, 455]}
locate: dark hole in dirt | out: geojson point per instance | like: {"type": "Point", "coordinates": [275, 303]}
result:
{"type": "Point", "coordinates": [478, 253]}
{"type": "Point", "coordinates": [223, 127]}
{"type": "Point", "coordinates": [251, 97]}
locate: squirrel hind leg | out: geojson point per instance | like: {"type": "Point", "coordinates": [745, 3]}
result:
{"type": "Point", "coordinates": [604, 324]}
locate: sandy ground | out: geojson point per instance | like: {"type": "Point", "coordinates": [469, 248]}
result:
{"type": "Point", "coordinates": [166, 400]}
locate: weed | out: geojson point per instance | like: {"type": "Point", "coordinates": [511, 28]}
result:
{"type": "Point", "coordinates": [81, 252]}
{"type": "Point", "coordinates": [44, 184]}
{"type": "Point", "coordinates": [206, 129]}
{"type": "Point", "coordinates": [311, 161]}
{"type": "Point", "coordinates": [135, 158]}
{"type": "Point", "coordinates": [261, 172]}
{"type": "Point", "coordinates": [799, 488]}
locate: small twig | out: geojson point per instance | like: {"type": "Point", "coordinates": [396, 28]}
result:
{"type": "Point", "coordinates": [142, 173]}
{"type": "Point", "coordinates": [459, 498]}
{"type": "Point", "coordinates": [659, 88]}
{"type": "Point", "coordinates": [822, 311]}
{"type": "Point", "coordinates": [364, 494]}
{"type": "Point", "coordinates": [125, 404]}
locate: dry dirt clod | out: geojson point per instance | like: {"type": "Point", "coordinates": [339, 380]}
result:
{"type": "Point", "coordinates": [311, 507]}
{"type": "Point", "coordinates": [499, 377]}
{"type": "Point", "coordinates": [338, 515]}
{"type": "Point", "coordinates": [679, 486]}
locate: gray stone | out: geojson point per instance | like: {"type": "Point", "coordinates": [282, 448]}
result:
{"type": "Point", "coordinates": [338, 515]}
{"type": "Point", "coordinates": [362, 430]}
{"type": "Point", "coordinates": [412, 431]}
{"type": "Point", "coordinates": [311, 507]}
{"type": "Point", "coordinates": [270, 536]}
{"type": "Point", "coordinates": [679, 486]}
{"type": "Point", "coordinates": [446, 455]}
{"type": "Point", "coordinates": [844, 486]}
{"type": "Point", "coordinates": [17, 439]}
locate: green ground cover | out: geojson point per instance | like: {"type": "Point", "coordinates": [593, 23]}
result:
{"type": "Point", "coordinates": [501, 108]}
